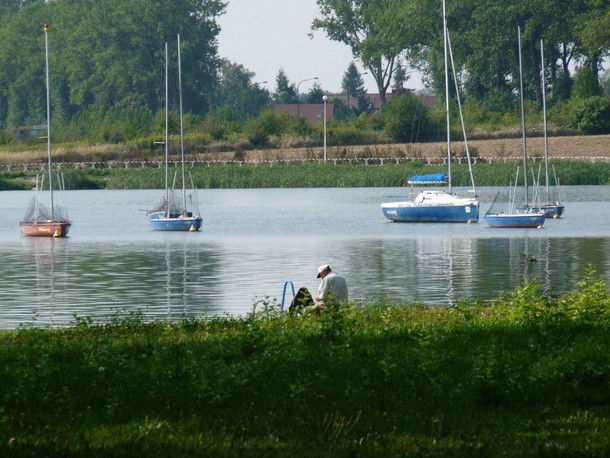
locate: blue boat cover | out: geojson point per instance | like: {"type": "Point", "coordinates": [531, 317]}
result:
{"type": "Point", "coordinates": [432, 178]}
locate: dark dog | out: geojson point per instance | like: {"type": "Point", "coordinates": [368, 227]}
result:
{"type": "Point", "coordinates": [300, 300]}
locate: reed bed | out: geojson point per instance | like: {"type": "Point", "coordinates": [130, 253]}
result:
{"type": "Point", "coordinates": [524, 375]}
{"type": "Point", "coordinates": [315, 174]}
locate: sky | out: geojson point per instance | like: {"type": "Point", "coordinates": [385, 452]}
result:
{"type": "Point", "coordinates": [266, 35]}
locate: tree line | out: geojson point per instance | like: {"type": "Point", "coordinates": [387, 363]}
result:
{"type": "Point", "coordinates": [107, 63]}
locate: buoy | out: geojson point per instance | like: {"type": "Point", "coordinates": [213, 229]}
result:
{"type": "Point", "coordinates": [193, 228]}
{"type": "Point", "coordinates": [555, 216]}
{"type": "Point", "coordinates": [539, 227]}
{"type": "Point", "coordinates": [57, 233]}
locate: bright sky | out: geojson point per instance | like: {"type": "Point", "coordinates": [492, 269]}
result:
{"type": "Point", "coordinates": [266, 35]}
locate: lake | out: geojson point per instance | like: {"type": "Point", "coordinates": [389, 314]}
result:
{"type": "Point", "coordinates": [255, 240]}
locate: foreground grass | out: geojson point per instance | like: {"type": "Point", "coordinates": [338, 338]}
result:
{"type": "Point", "coordinates": [525, 375]}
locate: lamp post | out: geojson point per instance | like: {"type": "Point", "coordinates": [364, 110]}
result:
{"type": "Point", "coordinates": [298, 98]}
{"type": "Point", "coordinates": [324, 99]}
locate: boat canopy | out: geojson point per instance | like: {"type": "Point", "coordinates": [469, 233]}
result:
{"type": "Point", "coordinates": [435, 178]}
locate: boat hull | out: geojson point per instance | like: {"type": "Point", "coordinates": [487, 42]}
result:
{"type": "Point", "coordinates": [552, 211]}
{"type": "Point", "coordinates": [45, 228]}
{"type": "Point", "coordinates": [515, 220]}
{"type": "Point", "coordinates": [184, 224]}
{"type": "Point", "coordinates": [433, 207]}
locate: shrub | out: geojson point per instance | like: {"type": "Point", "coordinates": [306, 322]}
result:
{"type": "Point", "coordinates": [406, 119]}
{"type": "Point", "coordinates": [592, 116]}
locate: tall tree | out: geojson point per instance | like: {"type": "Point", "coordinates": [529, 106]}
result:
{"type": "Point", "coordinates": [353, 85]}
{"type": "Point", "coordinates": [237, 93]}
{"type": "Point", "coordinates": [372, 29]}
{"type": "Point", "coordinates": [316, 93]}
{"type": "Point", "coordinates": [285, 92]}
{"type": "Point", "coordinates": [105, 54]}
{"type": "Point", "coordinates": [400, 77]}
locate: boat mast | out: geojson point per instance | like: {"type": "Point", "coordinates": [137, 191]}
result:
{"type": "Point", "coordinates": [45, 27]}
{"type": "Point", "coordinates": [167, 212]}
{"type": "Point", "coordinates": [447, 95]}
{"type": "Point", "coordinates": [181, 129]}
{"type": "Point", "coordinates": [522, 117]}
{"type": "Point", "coordinates": [546, 141]}
{"type": "Point", "coordinates": [459, 102]}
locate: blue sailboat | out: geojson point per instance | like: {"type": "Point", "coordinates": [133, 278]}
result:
{"type": "Point", "coordinates": [172, 213]}
{"type": "Point", "coordinates": [434, 206]}
{"type": "Point", "coordinates": [527, 216]}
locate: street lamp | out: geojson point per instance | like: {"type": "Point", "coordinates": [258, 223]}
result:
{"type": "Point", "coordinates": [298, 98]}
{"type": "Point", "coordinates": [324, 99]}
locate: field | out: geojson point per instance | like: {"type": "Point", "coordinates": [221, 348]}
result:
{"type": "Point", "coordinates": [586, 148]}
{"type": "Point", "coordinates": [571, 148]}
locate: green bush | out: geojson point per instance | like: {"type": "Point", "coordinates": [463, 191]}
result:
{"type": "Point", "coordinates": [406, 119]}
{"type": "Point", "coordinates": [264, 126]}
{"type": "Point", "coordinates": [592, 116]}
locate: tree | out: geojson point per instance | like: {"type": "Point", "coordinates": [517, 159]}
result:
{"type": "Point", "coordinates": [353, 85]}
{"type": "Point", "coordinates": [315, 94]}
{"type": "Point", "coordinates": [106, 54]}
{"type": "Point", "coordinates": [284, 91]}
{"type": "Point", "coordinates": [238, 94]}
{"type": "Point", "coordinates": [372, 29]}
{"type": "Point", "coordinates": [400, 77]}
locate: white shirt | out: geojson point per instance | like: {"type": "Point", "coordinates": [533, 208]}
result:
{"type": "Point", "coordinates": [333, 287]}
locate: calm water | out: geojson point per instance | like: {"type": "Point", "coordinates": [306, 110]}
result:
{"type": "Point", "coordinates": [254, 241]}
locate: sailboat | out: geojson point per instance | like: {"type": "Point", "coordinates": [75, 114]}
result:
{"type": "Point", "coordinates": [39, 220]}
{"type": "Point", "coordinates": [550, 209]}
{"type": "Point", "coordinates": [172, 213]}
{"type": "Point", "coordinates": [526, 216]}
{"type": "Point", "coordinates": [434, 206]}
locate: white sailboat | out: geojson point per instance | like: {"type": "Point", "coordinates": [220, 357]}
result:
{"type": "Point", "coordinates": [435, 206]}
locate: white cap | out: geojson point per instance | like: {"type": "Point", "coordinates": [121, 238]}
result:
{"type": "Point", "coordinates": [322, 268]}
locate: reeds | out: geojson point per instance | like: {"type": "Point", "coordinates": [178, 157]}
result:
{"type": "Point", "coordinates": [277, 174]}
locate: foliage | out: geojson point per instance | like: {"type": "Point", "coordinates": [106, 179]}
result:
{"type": "Point", "coordinates": [592, 116]}
{"type": "Point", "coordinates": [285, 92]}
{"type": "Point", "coordinates": [237, 95]}
{"type": "Point", "coordinates": [373, 31]}
{"type": "Point", "coordinates": [406, 119]}
{"type": "Point", "coordinates": [353, 85]}
{"type": "Point", "coordinates": [524, 375]}
{"type": "Point", "coordinates": [585, 85]}
{"type": "Point", "coordinates": [106, 125]}
{"type": "Point", "coordinates": [340, 170]}
{"type": "Point", "coordinates": [315, 94]}
{"type": "Point", "coordinates": [267, 124]}
{"type": "Point", "coordinates": [104, 55]}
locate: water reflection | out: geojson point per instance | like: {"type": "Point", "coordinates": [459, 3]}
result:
{"type": "Point", "coordinates": [255, 240]}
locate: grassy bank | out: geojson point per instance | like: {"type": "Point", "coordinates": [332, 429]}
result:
{"type": "Point", "coordinates": [524, 375]}
{"type": "Point", "coordinates": [310, 174]}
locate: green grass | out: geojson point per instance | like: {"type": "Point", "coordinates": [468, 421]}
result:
{"type": "Point", "coordinates": [309, 174]}
{"type": "Point", "coordinates": [523, 375]}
